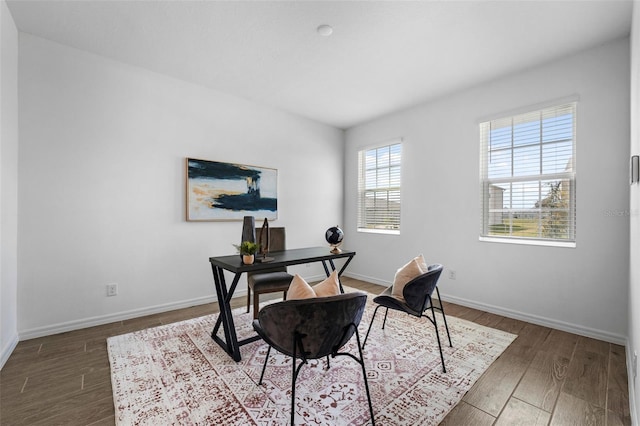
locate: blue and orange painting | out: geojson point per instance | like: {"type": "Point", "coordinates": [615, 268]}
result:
{"type": "Point", "coordinates": [227, 191]}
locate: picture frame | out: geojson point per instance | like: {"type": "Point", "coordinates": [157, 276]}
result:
{"type": "Point", "coordinates": [219, 191]}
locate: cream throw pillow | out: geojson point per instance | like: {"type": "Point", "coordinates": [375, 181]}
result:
{"type": "Point", "coordinates": [414, 268]}
{"type": "Point", "coordinates": [299, 289]}
{"type": "Point", "coordinates": [422, 263]}
{"type": "Point", "coordinates": [329, 287]}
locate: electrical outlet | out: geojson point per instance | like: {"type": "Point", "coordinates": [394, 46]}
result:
{"type": "Point", "coordinates": [112, 289]}
{"type": "Point", "coordinates": [452, 274]}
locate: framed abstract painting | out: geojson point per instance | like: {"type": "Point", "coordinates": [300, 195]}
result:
{"type": "Point", "coordinates": [227, 191]}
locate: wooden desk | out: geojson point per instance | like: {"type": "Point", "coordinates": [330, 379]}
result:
{"type": "Point", "coordinates": [234, 264]}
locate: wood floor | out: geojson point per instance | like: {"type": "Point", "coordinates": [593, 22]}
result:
{"type": "Point", "coordinates": [545, 377]}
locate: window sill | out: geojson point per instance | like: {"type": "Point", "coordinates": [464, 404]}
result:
{"type": "Point", "coordinates": [379, 231]}
{"type": "Point", "coordinates": [567, 244]}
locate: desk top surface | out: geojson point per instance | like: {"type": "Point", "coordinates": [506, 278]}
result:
{"type": "Point", "coordinates": [234, 263]}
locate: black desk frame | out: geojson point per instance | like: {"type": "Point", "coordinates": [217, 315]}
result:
{"type": "Point", "coordinates": [234, 264]}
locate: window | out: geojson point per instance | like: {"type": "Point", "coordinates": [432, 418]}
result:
{"type": "Point", "coordinates": [527, 176]}
{"type": "Point", "coordinates": [379, 188]}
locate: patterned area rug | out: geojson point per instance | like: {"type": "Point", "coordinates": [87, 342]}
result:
{"type": "Point", "coordinates": [175, 374]}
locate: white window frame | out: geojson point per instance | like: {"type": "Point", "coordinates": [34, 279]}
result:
{"type": "Point", "coordinates": [539, 212]}
{"type": "Point", "coordinates": [382, 184]}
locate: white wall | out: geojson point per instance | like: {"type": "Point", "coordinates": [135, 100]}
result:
{"type": "Point", "coordinates": [634, 216]}
{"type": "Point", "coordinates": [8, 183]}
{"type": "Point", "coordinates": [102, 185]}
{"type": "Point", "coordinates": [581, 289]}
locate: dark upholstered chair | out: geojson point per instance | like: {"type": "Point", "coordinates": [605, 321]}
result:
{"type": "Point", "coordinates": [311, 329]}
{"type": "Point", "coordinates": [270, 280]}
{"type": "Point", "coordinates": [416, 301]}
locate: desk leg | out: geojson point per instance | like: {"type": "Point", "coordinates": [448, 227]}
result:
{"type": "Point", "coordinates": [333, 268]}
{"type": "Point", "coordinates": [326, 270]}
{"type": "Point", "coordinates": [227, 296]}
{"type": "Point", "coordinates": [345, 265]}
{"type": "Point", "coordinates": [230, 344]}
{"type": "Point", "coordinates": [221, 293]}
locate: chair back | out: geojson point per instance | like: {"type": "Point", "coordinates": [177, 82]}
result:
{"type": "Point", "coordinates": [277, 242]}
{"type": "Point", "coordinates": [324, 324]}
{"type": "Point", "coordinates": [277, 238]}
{"type": "Point", "coordinates": [417, 292]}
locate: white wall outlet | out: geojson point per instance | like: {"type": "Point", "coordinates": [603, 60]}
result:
{"type": "Point", "coordinates": [112, 289]}
{"type": "Point", "coordinates": [452, 274]}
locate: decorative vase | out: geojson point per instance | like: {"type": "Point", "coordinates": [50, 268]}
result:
{"type": "Point", "coordinates": [249, 229]}
{"type": "Point", "coordinates": [248, 259]}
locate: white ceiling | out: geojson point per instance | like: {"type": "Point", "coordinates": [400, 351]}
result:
{"type": "Point", "coordinates": [383, 55]}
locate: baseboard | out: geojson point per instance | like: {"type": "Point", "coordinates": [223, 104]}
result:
{"type": "Point", "coordinates": [32, 333]}
{"type": "Point", "coordinates": [535, 319]}
{"type": "Point", "coordinates": [315, 278]}
{"type": "Point", "coordinates": [368, 279]}
{"type": "Point", "coordinates": [631, 384]}
{"type": "Point", "coordinates": [7, 350]}
{"type": "Point", "coordinates": [118, 316]}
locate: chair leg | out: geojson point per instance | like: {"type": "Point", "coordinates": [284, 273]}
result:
{"type": "Point", "coordinates": [364, 374]}
{"type": "Point", "coordinates": [385, 318]}
{"type": "Point", "coordinates": [371, 323]}
{"type": "Point", "coordinates": [444, 316]}
{"type": "Point", "coordinates": [293, 384]}
{"type": "Point", "coordinates": [248, 297]}
{"type": "Point", "coordinates": [297, 345]}
{"type": "Point", "coordinates": [264, 366]}
{"type": "Point", "coordinates": [435, 325]}
{"type": "Point", "coordinates": [256, 304]}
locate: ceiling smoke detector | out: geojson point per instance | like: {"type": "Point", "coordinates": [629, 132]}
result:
{"type": "Point", "coordinates": [325, 30]}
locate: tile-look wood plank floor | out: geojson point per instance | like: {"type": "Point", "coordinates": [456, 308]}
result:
{"type": "Point", "coordinates": [545, 377]}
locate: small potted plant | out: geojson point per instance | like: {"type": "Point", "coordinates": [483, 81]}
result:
{"type": "Point", "coordinates": [248, 250]}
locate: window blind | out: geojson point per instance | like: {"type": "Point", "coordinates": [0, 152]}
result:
{"type": "Point", "coordinates": [379, 197]}
{"type": "Point", "coordinates": [527, 175]}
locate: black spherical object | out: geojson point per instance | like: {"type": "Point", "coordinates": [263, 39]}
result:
{"type": "Point", "coordinates": [334, 236]}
